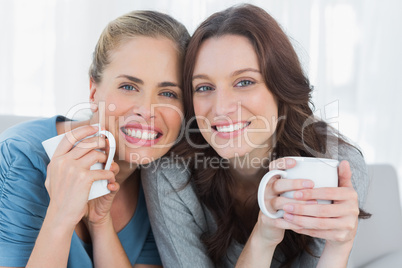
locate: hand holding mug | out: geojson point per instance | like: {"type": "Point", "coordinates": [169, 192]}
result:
{"type": "Point", "coordinates": [327, 212]}
{"type": "Point", "coordinates": [99, 187]}
{"type": "Point", "coordinates": [322, 172]}
{"type": "Point", "coordinates": [69, 174]}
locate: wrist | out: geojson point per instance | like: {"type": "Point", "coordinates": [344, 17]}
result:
{"type": "Point", "coordinates": [101, 225]}
{"type": "Point", "coordinates": [259, 239]}
{"type": "Point", "coordinates": [341, 248]}
{"type": "Point", "coordinates": [270, 236]}
{"type": "Point", "coordinates": [335, 255]}
{"type": "Point", "coordinates": [258, 251]}
{"type": "Point", "coordinates": [58, 221]}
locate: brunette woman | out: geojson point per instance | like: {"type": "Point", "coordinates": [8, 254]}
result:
{"type": "Point", "coordinates": [248, 108]}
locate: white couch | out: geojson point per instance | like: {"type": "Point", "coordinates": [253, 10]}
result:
{"type": "Point", "coordinates": [7, 121]}
{"type": "Point", "coordinates": [378, 243]}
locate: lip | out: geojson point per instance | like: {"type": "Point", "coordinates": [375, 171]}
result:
{"type": "Point", "coordinates": [230, 134]}
{"type": "Point", "coordinates": [142, 128]}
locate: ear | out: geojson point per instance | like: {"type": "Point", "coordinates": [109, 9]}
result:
{"type": "Point", "coordinates": [92, 91]}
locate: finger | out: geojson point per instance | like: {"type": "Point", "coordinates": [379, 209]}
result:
{"type": "Point", "coordinates": [72, 137]}
{"type": "Point", "coordinates": [334, 235]}
{"type": "Point", "coordinates": [326, 193]}
{"type": "Point", "coordinates": [114, 168]}
{"type": "Point", "coordinates": [282, 163]}
{"type": "Point", "coordinates": [114, 187]}
{"type": "Point", "coordinates": [87, 145]}
{"type": "Point", "coordinates": [281, 186]}
{"type": "Point", "coordinates": [280, 223]}
{"type": "Point", "coordinates": [92, 158]}
{"type": "Point", "coordinates": [101, 174]}
{"type": "Point", "coordinates": [321, 210]}
{"type": "Point", "coordinates": [344, 174]}
{"type": "Point", "coordinates": [321, 223]}
{"type": "Point", "coordinates": [280, 202]}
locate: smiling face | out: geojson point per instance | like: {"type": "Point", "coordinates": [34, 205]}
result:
{"type": "Point", "coordinates": [236, 112]}
{"type": "Point", "coordinates": [139, 98]}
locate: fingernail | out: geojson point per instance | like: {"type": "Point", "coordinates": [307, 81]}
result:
{"type": "Point", "coordinates": [308, 184]}
{"type": "Point", "coordinates": [298, 194]}
{"type": "Point", "coordinates": [288, 216]}
{"type": "Point", "coordinates": [288, 208]}
{"type": "Point", "coordinates": [290, 161]}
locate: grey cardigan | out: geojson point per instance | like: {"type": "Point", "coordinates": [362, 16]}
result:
{"type": "Point", "coordinates": [178, 219]}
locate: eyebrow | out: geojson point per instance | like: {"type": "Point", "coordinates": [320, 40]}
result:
{"type": "Point", "coordinates": [203, 76]}
{"type": "Point", "coordinates": [139, 81]}
{"type": "Point", "coordinates": [245, 70]}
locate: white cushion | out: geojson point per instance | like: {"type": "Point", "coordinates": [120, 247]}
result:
{"type": "Point", "coordinates": [382, 233]}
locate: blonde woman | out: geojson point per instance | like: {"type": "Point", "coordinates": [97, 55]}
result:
{"type": "Point", "coordinates": [45, 218]}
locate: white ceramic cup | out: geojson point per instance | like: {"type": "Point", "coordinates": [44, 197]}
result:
{"type": "Point", "coordinates": [98, 188]}
{"type": "Point", "coordinates": [322, 171]}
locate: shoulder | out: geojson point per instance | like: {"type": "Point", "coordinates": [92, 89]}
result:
{"type": "Point", "coordinates": [24, 141]}
{"type": "Point", "coordinates": [358, 167]}
{"type": "Point", "coordinates": [167, 187]}
{"type": "Point", "coordinates": [177, 217]}
{"type": "Point", "coordinates": [166, 170]}
{"type": "Point", "coordinates": [35, 129]}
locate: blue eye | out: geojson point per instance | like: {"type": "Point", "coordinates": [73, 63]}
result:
{"type": "Point", "coordinates": [203, 89]}
{"type": "Point", "coordinates": [169, 94]}
{"type": "Point", "coordinates": [244, 83]}
{"type": "Point", "coordinates": [128, 87]}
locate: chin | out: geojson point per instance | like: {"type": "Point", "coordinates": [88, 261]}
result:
{"type": "Point", "coordinates": [231, 153]}
{"type": "Point", "coordinates": [143, 156]}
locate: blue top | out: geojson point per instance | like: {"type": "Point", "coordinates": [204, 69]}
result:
{"type": "Point", "coordinates": [24, 201]}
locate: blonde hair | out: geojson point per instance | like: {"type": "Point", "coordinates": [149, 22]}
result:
{"type": "Point", "coordinates": [136, 23]}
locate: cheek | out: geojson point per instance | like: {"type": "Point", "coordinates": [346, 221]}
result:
{"type": "Point", "coordinates": [173, 119]}
{"type": "Point", "coordinates": [201, 109]}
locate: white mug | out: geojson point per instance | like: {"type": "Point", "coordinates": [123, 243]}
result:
{"type": "Point", "coordinates": [98, 188]}
{"type": "Point", "coordinates": [322, 171]}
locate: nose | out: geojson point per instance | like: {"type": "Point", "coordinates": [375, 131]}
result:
{"type": "Point", "coordinates": [225, 101]}
{"type": "Point", "coordinates": [145, 107]}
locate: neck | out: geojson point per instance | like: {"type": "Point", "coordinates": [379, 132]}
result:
{"type": "Point", "coordinates": [126, 169]}
{"type": "Point", "coordinates": [249, 169]}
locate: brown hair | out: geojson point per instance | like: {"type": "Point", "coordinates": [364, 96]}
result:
{"type": "Point", "coordinates": [136, 23]}
{"type": "Point", "coordinates": [283, 75]}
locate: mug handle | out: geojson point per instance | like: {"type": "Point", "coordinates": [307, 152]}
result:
{"type": "Point", "coordinates": [261, 193]}
{"type": "Point", "coordinates": [99, 188]}
{"type": "Point", "coordinates": [112, 147]}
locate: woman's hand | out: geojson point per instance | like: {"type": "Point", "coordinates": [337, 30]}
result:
{"type": "Point", "coordinates": [98, 211]}
{"type": "Point", "coordinates": [337, 222]}
{"type": "Point", "coordinates": [268, 233]}
{"type": "Point", "coordinates": [273, 229]}
{"type": "Point", "coordinates": [69, 177]}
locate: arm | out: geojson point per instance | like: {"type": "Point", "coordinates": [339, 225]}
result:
{"type": "Point", "coordinates": [23, 202]}
{"type": "Point", "coordinates": [339, 239]}
{"type": "Point", "coordinates": [107, 249]}
{"type": "Point", "coordinates": [68, 182]}
{"type": "Point", "coordinates": [258, 252]}
{"type": "Point", "coordinates": [177, 218]}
